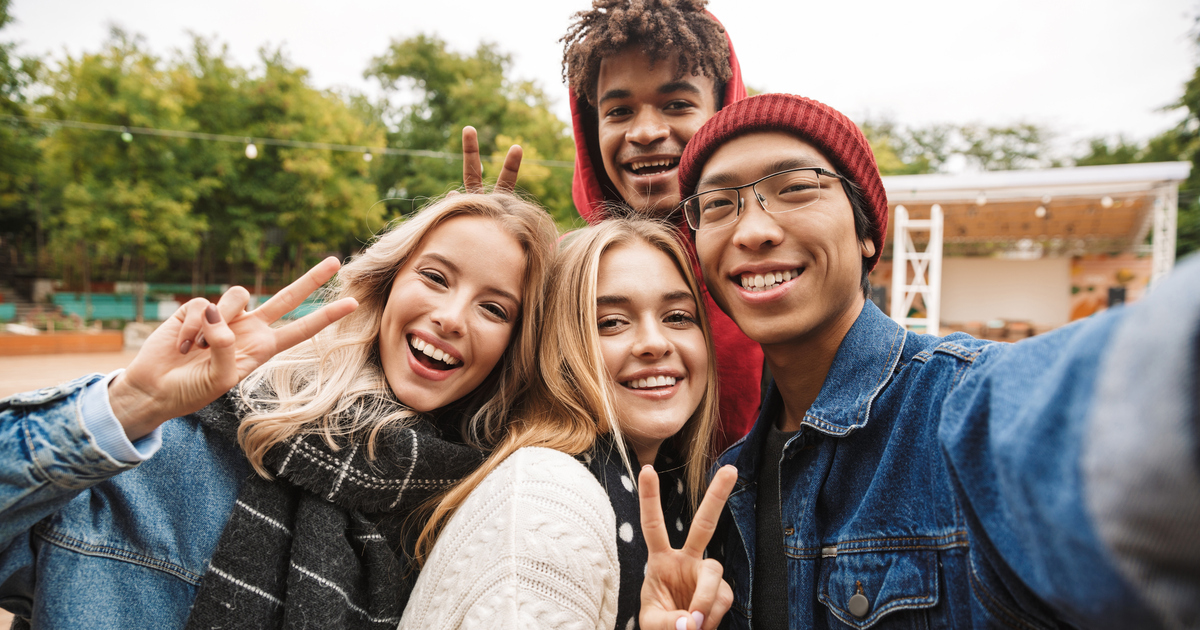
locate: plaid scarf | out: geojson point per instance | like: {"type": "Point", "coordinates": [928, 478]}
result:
{"type": "Point", "coordinates": [324, 545]}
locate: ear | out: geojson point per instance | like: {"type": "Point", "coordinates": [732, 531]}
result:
{"type": "Point", "coordinates": [867, 247]}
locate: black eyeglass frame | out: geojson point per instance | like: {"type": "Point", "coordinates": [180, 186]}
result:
{"type": "Point", "coordinates": [741, 205]}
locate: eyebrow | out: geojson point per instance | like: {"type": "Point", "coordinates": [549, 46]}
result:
{"type": "Point", "coordinates": [666, 88]}
{"type": "Point", "coordinates": [454, 268]}
{"type": "Point", "coordinates": [616, 300]}
{"type": "Point", "coordinates": [720, 180]}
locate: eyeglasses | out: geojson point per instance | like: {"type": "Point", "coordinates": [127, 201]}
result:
{"type": "Point", "coordinates": [780, 192]}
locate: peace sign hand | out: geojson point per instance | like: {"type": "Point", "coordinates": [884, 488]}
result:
{"type": "Point", "coordinates": [205, 349]}
{"type": "Point", "coordinates": [675, 577]}
{"type": "Point", "coordinates": [473, 165]}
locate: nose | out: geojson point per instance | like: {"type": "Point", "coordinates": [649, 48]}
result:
{"type": "Point", "coordinates": [756, 228]}
{"type": "Point", "coordinates": [451, 317]}
{"type": "Point", "coordinates": [650, 342]}
{"type": "Point", "coordinates": [648, 127]}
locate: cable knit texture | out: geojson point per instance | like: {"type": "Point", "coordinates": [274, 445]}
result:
{"type": "Point", "coordinates": [534, 546]}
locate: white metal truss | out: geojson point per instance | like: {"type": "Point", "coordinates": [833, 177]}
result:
{"type": "Point", "coordinates": [1162, 239]}
{"type": "Point", "coordinates": [926, 268]}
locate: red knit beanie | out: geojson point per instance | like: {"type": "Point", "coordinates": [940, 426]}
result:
{"type": "Point", "coordinates": [834, 135]}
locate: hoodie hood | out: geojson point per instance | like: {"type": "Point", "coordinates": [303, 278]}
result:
{"type": "Point", "coordinates": [591, 187]}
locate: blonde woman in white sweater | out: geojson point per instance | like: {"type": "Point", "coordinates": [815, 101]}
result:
{"type": "Point", "coordinates": [546, 533]}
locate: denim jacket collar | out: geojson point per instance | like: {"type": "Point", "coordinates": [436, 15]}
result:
{"type": "Point", "coordinates": [864, 364]}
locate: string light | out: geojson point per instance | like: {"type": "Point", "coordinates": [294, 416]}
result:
{"type": "Point", "coordinates": [1106, 202]}
{"type": "Point", "coordinates": [251, 150]}
{"type": "Point", "coordinates": [127, 136]}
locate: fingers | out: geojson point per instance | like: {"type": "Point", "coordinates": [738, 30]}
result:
{"type": "Point", "coordinates": [472, 165]}
{"type": "Point", "coordinates": [295, 293]}
{"type": "Point", "coordinates": [721, 606]}
{"type": "Point", "coordinates": [192, 314]}
{"type": "Point", "coordinates": [508, 173]}
{"type": "Point", "coordinates": [708, 588]}
{"type": "Point", "coordinates": [658, 619]}
{"type": "Point", "coordinates": [223, 368]}
{"type": "Point", "coordinates": [654, 527]}
{"type": "Point", "coordinates": [311, 324]}
{"type": "Point", "coordinates": [709, 512]}
{"type": "Point", "coordinates": [233, 302]}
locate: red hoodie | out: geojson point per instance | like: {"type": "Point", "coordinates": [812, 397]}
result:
{"type": "Point", "coordinates": [739, 360]}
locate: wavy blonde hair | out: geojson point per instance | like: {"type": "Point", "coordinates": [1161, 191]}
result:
{"type": "Point", "coordinates": [572, 403]}
{"type": "Point", "coordinates": [334, 384]}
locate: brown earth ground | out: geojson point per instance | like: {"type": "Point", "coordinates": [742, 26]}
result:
{"type": "Point", "coordinates": [23, 373]}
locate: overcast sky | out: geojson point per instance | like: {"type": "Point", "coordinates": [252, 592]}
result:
{"type": "Point", "coordinates": [1081, 67]}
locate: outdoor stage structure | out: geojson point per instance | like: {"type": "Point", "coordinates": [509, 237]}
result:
{"type": "Point", "coordinates": [1007, 254]}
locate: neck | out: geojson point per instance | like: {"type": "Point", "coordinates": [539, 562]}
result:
{"type": "Point", "coordinates": [646, 452]}
{"type": "Point", "coordinates": [800, 366]}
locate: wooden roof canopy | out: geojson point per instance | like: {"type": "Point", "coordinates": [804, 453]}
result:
{"type": "Point", "coordinates": [1062, 211]}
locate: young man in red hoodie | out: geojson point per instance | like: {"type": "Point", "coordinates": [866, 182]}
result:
{"type": "Point", "coordinates": [644, 75]}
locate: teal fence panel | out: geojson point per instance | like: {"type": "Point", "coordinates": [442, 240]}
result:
{"type": "Point", "coordinates": [104, 305]}
{"type": "Point", "coordinates": [8, 312]}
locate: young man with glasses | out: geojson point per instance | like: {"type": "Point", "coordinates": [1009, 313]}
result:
{"type": "Point", "coordinates": [897, 480]}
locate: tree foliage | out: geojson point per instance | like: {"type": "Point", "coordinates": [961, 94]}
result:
{"type": "Point", "coordinates": [19, 153]}
{"type": "Point", "coordinates": [440, 92]}
{"type": "Point", "coordinates": [903, 150]}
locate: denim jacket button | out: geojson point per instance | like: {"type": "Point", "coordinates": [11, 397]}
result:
{"type": "Point", "coordinates": [858, 605]}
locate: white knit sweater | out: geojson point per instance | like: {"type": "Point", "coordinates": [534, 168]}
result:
{"type": "Point", "coordinates": [534, 546]}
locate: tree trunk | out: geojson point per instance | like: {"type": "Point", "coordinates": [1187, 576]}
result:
{"type": "Point", "coordinates": [86, 262]}
{"type": "Point", "coordinates": [139, 290]}
{"type": "Point", "coordinates": [259, 271]}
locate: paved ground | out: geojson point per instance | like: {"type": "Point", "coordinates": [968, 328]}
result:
{"type": "Point", "coordinates": [18, 374]}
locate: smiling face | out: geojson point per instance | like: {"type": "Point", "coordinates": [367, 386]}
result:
{"type": "Point", "coordinates": [782, 277]}
{"type": "Point", "coordinates": [451, 312]}
{"type": "Point", "coordinates": [646, 117]}
{"type": "Point", "coordinates": [651, 342]}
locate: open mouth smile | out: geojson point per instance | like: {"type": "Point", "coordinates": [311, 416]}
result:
{"type": "Point", "coordinates": [652, 167]}
{"type": "Point", "coordinates": [653, 382]}
{"type": "Point", "coordinates": [429, 356]}
{"type": "Point", "coordinates": [755, 282]}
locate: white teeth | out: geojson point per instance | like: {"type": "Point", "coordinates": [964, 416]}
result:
{"type": "Point", "coordinates": [760, 282]}
{"type": "Point", "coordinates": [653, 381]}
{"type": "Point", "coordinates": [434, 353]}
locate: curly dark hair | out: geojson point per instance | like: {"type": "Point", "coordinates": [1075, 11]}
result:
{"type": "Point", "coordinates": [660, 29]}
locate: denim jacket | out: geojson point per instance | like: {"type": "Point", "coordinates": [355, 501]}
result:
{"type": "Point", "coordinates": [88, 541]}
{"type": "Point", "coordinates": [951, 482]}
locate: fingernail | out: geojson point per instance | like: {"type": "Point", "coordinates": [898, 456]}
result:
{"type": "Point", "coordinates": [201, 342]}
{"type": "Point", "coordinates": [650, 466]}
{"type": "Point", "coordinates": [185, 346]}
{"type": "Point", "coordinates": [681, 623]}
{"type": "Point", "coordinates": [212, 314]}
{"type": "Point", "coordinates": [699, 618]}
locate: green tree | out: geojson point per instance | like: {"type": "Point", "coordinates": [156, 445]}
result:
{"type": "Point", "coordinates": [113, 196]}
{"type": "Point", "coordinates": [287, 204]}
{"type": "Point", "coordinates": [445, 90]}
{"type": "Point", "coordinates": [19, 220]}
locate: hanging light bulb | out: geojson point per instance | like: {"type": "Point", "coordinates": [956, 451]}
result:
{"type": "Point", "coordinates": [1106, 201]}
{"type": "Point", "coordinates": [1046, 199]}
{"type": "Point", "coordinates": [126, 136]}
{"type": "Point", "coordinates": [367, 157]}
{"type": "Point", "coordinates": [1040, 212]}
{"type": "Point", "coordinates": [251, 150]}
{"type": "Point", "coordinates": [981, 200]}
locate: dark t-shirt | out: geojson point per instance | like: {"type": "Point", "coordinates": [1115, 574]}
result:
{"type": "Point", "coordinates": [770, 597]}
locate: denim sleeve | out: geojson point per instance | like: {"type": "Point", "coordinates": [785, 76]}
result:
{"type": "Point", "coordinates": [102, 423]}
{"type": "Point", "coordinates": [49, 455]}
{"type": "Point", "coordinates": [1075, 463]}
{"type": "Point", "coordinates": [1142, 453]}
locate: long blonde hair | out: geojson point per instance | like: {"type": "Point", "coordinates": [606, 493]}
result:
{"type": "Point", "coordinates": [572, 403]}
{"type": "Point", "coordinates": [335, 385]}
